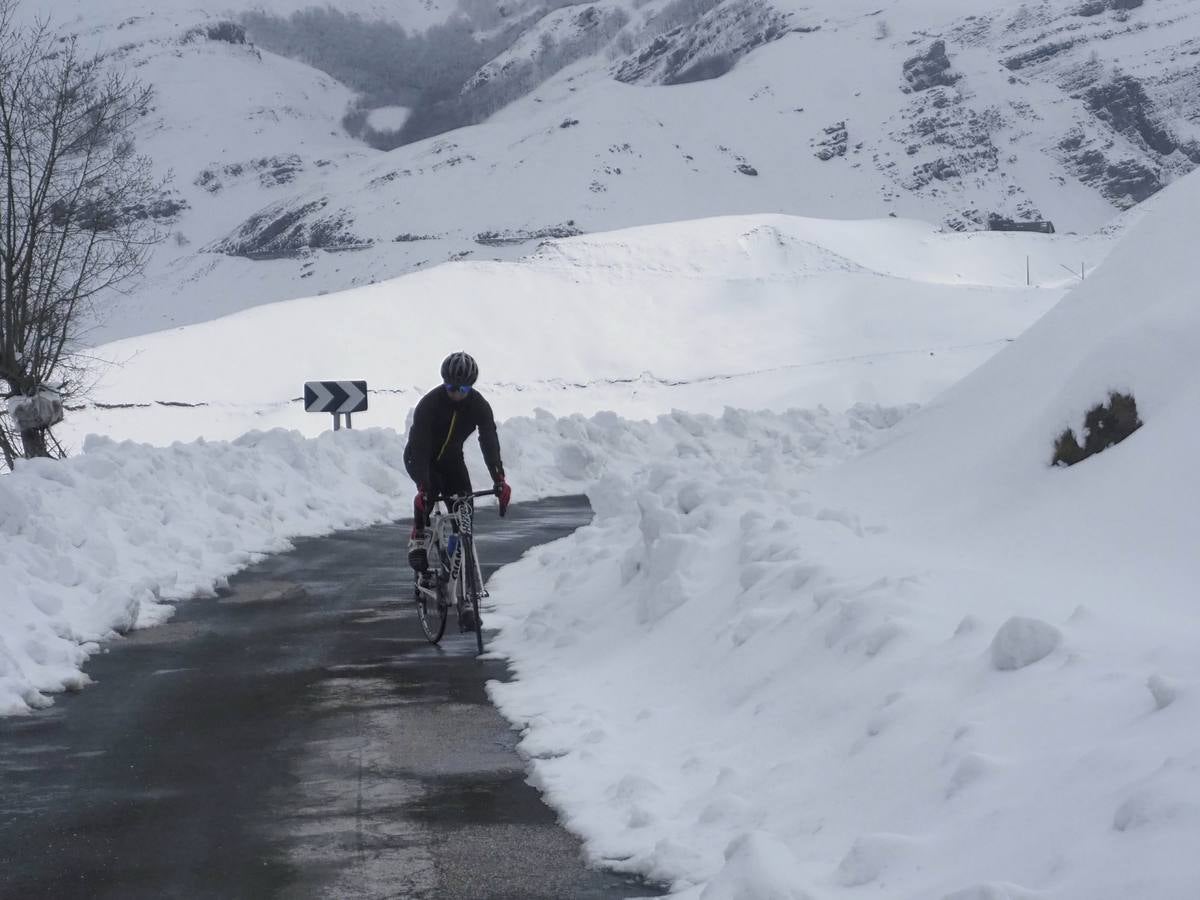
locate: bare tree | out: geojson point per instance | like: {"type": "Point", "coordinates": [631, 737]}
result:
{"type": "Point", "coordinates": [75, 202]}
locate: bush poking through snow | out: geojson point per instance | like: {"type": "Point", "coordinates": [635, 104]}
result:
{"type": "Point", "coordinates": [1021, 642]}
{"type": "Point", "coordinates": [229, 32]}
{"type": "Point", "coordinates": [1103, 427]}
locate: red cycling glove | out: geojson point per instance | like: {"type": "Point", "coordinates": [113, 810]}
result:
{"type": "Point", "coordinates": [505, 495]}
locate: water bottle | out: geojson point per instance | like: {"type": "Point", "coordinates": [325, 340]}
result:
{"type": "Point", "coordinates": [452, 545]}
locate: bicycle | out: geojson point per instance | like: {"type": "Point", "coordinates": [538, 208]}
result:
{"type": "Point", "coordinates": [453, 576]}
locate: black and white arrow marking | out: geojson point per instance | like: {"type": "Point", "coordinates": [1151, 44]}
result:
{"type": "Point", "coordinates": [335, 396]}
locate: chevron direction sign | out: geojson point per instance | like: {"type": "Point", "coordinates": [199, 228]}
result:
{"type": "Point", "coordinates": [335, 397]}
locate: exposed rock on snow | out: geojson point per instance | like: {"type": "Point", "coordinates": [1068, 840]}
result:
{"type": "Point", "coordinates": [289, 229]}
{"type": "Point", "coordinates": [522, 236]}
{"type": "Point", "coordinates": [1098, 7]}
{"type": "Point", "coordinates": [1125, 182]}
{"type": "Point", "coordinates": [1021, 642]}
{"type": "Point", "coordinates": [1039, 53]}
{"type": "Point", "coordinates": [558, 39]}
{"type": "Point", "coordinates": [1122, 103]}
{"type": "Point", "coordinates": [930, 69]}
{"type": "Point", "coordinates": [834, 142]}
{"type": "Point", "coordinates": [271, 171]}
{"type": "Point", "coordinates": [708, 48]}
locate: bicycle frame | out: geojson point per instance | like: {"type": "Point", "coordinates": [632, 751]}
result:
{"type": "Point", "coordinates": [457, 524]}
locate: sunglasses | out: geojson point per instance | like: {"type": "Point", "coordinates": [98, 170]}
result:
{"type": "Point", "coordinates": [458, 388]}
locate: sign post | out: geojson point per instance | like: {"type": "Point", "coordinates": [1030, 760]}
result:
{"type": "Point", "coordinates": [335, 397]}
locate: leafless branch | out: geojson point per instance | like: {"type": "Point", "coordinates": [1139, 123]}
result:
{"type": "Point", "coordinates": [73, 223]}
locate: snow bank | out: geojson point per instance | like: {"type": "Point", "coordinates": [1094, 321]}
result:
{"type": "Point", "coordinates": [944, 669]}
{"type": "Point", "coordinates": [105, 542]}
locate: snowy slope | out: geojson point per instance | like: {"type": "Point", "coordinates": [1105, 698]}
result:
{"type": "Point", "coordinates": [770, 668]}
{"type": "Point", "coordinates": [764, 312]}
{"type": "Point", "coordinates": [944, 669]}
{"type": "Point", "coordinates": [1067, 110]}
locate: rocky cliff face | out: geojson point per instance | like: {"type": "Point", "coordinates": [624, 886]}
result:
{"type": "Point", "coordinates": [706, 48]}
{"type": "Point", "coordinates": [1117, 130]}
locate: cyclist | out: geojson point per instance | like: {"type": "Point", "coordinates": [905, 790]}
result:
{"type": "Point", "coordinates": [443, 420]}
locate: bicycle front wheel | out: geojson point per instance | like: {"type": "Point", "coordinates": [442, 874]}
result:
{"type": "Point", "coordinates": [431, 614]}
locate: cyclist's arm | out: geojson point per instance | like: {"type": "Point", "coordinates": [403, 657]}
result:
{"type": "Point", "coordinates": [489, 441]}
{"type": "Point", "coordinates": [420, 445]}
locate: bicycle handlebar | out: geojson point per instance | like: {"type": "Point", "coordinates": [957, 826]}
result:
{"type": "Point", "coordinates": [450, 499]}
{"type": "Point", "coordinates": [446, 498]}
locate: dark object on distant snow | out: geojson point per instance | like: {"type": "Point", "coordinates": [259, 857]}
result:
{"type": "Point", "coordinates": [1103, 427]}
{"type": "Point", "coordinates": [229, 32]}
{"type": "Point", "coordinates": [521, 236]}
{"type": "Point", "coordinates": [930, 69]}
{"type": "Point", "coordinates": [999, 223]}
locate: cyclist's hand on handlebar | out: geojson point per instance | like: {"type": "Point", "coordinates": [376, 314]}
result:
{"type": "Point", "coordinates": [504, 492]}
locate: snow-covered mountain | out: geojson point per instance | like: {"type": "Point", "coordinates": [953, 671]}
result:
{"type": "Point", "coordinates": [617, 113]}
{"type": "Point", "coordinates": [773, 666]}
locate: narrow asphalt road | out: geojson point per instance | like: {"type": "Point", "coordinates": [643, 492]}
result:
{"type": "Point", "coordinates": [297, 738]}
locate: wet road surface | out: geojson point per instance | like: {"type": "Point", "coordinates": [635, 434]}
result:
{"type": "Point", "coordinates": [295, 738]}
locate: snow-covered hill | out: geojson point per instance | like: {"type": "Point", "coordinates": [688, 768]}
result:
{"type": "Point", "coordinates": [948, 112]}
{"type": "Point", "coordinates": [944, 669]}
{"type": "Point", "coordinates": [760, 312]}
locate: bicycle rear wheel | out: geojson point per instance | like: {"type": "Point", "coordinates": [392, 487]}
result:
{"type": "Point", "coordinates": [474, 592]}
{"type": "Point", "coordinates": [431, 614]}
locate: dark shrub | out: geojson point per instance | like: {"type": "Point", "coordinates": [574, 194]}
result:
{"type": "Point", "coordinates": [229, 32]}
{"type": "Point", "coordinates": [1103, 426]}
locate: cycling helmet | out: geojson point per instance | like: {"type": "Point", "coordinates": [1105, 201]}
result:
{"type": "Point", "coordinates": [459, 368]}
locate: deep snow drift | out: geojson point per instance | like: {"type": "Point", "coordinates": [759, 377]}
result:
{"type": "Point", "coordinates": [944, 669]}
{"type": "Point", "coordinates": [107, 541]}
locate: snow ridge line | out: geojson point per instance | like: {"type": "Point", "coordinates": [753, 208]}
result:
{"type": "Point", "coordinates": [646, 377]}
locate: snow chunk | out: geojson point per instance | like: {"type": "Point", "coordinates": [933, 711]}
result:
{"type": "Point", "coordinates": [1164, 690]}
{"type": "Point", "coordinates": [1168, 796]}
{"type": "Point", "coordinates": [871, 856]}
{"type": "Point", "coordinates": [1021, 642]}
{"type": "Point", "coordinates": [575, 460]}
{"type": "Point", "coordinates": [973, 767]}
{"type": "Point", "coordinates": [757, 867]}
{"type": "Point", "coordinates": [995, 890]}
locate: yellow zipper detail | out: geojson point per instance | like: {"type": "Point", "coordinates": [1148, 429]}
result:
{"type": "Point", "coordinates": [449, 434]}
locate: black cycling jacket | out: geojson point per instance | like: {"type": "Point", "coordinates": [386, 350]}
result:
{"type": "Point", "coordinates": [440, 428]}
